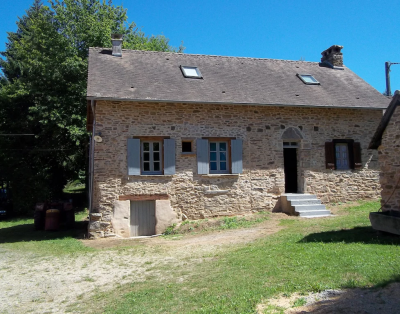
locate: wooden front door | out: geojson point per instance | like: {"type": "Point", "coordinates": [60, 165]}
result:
{"type": "Point", "coordinates": [143, 218]}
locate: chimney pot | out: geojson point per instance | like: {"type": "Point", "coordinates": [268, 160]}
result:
{"type": "Point", "coordinates": [333, 55]}
{"type": "Point", "coordinates": [116, 40]}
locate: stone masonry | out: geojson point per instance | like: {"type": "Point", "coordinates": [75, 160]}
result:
{"type": "Point", "coordinates": [262, 181]}
{"type": "Point", "coordinates": [389, 160]}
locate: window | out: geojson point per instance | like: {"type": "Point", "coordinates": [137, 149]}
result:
{"type": "Point", "coordinates": [218, 157]}
{"type": "Point", "coordinates": [343, 155]}
{"type": "Point", "coordinates": [290, 144]}
{"type": "Point", "coordinates": [308, 79]}
{"type": "Point", "coordinates": [151, 156]}
{"type": "Point", "coordinates": [187, 146]}
{"type": "Point", "coordinates": [191, 72]}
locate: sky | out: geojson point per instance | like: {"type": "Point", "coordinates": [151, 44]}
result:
{"type": "Point", "coordinates": [284, 29]}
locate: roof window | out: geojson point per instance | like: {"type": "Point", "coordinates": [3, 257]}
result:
{"type": "Point", "coordinates": [191, 72]}
{"type": "Point", "coordinates": [308, 79]}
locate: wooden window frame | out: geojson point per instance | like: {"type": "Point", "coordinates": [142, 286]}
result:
{"type": "Point", "coordinates": [346, 145]}
{"type": "Point", "coordinates": [218, 161]}
{"type": "Point", "coordinates": [354, 154]}
{"type": "Point", "coordinates": [151, 157]}
{"type": "Point", "coordinates": [152, 139]}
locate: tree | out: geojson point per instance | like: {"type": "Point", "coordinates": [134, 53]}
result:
{"type": "Point", "coordinates": [43, 88]}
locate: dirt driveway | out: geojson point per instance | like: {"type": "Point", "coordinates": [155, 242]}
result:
{"type": "Point", "coordinates": [37, 284]}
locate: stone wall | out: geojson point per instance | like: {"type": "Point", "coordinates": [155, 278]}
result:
{"type": "Point", "coordinates": [389, 161]}
{"type": "Point", "coordinates": [262, 181]}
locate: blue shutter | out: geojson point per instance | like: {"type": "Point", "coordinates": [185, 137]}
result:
{"type": "Point", "coordinates": [133, 156]}
{"type": "Point", "coordinates": [169, 156]}
{"type": "Point", "coordinates": [237, 156]}
{"type": "Point", "coordinates": [202, 156]}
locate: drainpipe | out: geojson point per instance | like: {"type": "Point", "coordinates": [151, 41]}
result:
{"type": "Point", "coordinates": [91, 160]}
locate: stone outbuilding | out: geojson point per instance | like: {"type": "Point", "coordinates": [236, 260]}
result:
{"type": "Point", "coordinates": [178, 136]}
{"type": "Point", "coordinates": [387, 141]}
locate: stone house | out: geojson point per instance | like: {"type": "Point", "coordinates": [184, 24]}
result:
{"type": "Point", "coordinates": [179, 136]}
{"type": "Point", "coordinates": [387, 141]}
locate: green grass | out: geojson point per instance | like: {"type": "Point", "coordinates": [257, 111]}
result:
{"type": "Point", "coordinates": [195, 226]}
{"type": "Point", "coordinates": [308, 255]}
{"type": "Point", "coordinates": [20, 234]}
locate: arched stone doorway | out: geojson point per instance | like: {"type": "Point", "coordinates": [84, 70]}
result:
{"type": "Point", "coordinates": [291, 138]}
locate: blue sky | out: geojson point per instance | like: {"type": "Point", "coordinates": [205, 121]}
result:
{"type": "Point", "coordinates": [282, 29]}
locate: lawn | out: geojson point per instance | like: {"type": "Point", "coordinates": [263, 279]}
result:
{"type": "Point", "coordinates": [20, 234]}
{"type": "Point", "coordinates": [308, 255]}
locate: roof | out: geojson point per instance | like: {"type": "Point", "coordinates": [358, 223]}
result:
{"type": "Point", "coordinates": [156, 76]}
{"type": "Point", "coordinates": [377, 138]}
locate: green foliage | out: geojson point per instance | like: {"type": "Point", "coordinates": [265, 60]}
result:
{"type": "Point", "coordinates": [43, 88]}
{"type": "Point", "coordinates": [300, 302]}
{"type": "Point", "coordinates": [170, 230]}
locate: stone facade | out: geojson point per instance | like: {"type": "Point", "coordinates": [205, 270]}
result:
{"type": "Point", "coordinates": [262, 182]}
{"type": "Point", "coordinates": [389, 161]}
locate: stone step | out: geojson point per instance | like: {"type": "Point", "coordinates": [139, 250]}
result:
{"type": "Point", "coordinates": [305, 202]}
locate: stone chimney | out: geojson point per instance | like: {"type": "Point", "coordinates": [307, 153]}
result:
{"type": "Point", "coordinates": [116, 45]}
{"type": "Point", "coordinates": [333, 56]}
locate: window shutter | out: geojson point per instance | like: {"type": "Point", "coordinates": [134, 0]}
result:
{"type": "Point", "coordinates": [330, 155]}
{"type": "Point", "coordinates": [237, 156]}
{"type": "Point", "coordinates": [133, 156]}
{"type": "Point", "coordinates": [169, 156]}
{"type": "Point", "coordinates": [357, 155]}
{"type": "Point", "coordinates": [202, 156]}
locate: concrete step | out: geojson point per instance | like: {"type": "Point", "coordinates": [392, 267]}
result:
{"type": "Point", "coordinates": [304, 205]}
{"type": "Point", "coordinates": [292, 197]}
{"type": "Point", "coordinates": [314, 213]}
{"type": "Point", "coordinates": [311, 210]}
{"type": "Point", "coordinates": [309, 207]}
{"type": "Point", "coordinates": [305, 202]}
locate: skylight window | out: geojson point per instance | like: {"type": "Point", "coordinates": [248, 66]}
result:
{"type": "Point", "coordinates": [191, 72]}
{"type": "Point", "coordinates": [308, 79]}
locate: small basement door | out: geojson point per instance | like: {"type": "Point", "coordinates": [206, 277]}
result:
{"type": "Point", "coordinates": [143, 218]}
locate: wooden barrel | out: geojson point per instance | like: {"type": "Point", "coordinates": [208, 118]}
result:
{"type": "Point", "coordinates": [39, 219]}
{"type": "Point", "coordinates": [52, 220]}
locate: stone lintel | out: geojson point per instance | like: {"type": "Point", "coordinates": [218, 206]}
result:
{"type": "Point", "coordinates": [144, 197]}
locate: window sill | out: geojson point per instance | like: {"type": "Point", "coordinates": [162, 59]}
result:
{"type": "Point", "coordinates": [188, 154]}
{"type": "Point", "coordinates": [150, 175]}
{"type": "Point", "coordinates": [214, 175]}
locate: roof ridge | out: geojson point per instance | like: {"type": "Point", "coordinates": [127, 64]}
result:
{"type": "Point", "coordinates": [204, 55]}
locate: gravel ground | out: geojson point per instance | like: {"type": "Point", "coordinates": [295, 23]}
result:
{"type": "Point", "coordinates": [38, 284]}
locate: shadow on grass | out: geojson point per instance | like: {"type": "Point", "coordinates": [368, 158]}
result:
{"type": "Point", "coordinates": [383, 299]}
{"type": "Point", "coordinates": [365, 235]}
{"type": "Point", "coordinates": [27, 232]}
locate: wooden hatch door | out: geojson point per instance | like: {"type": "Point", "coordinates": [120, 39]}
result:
{"type": "Point", "coordinates": [143, 218]}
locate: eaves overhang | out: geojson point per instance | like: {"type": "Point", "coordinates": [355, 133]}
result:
{"type": "Point", "coordinates": [377, 138]}
{"type": "Point", "coordinates": [332, 106]}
